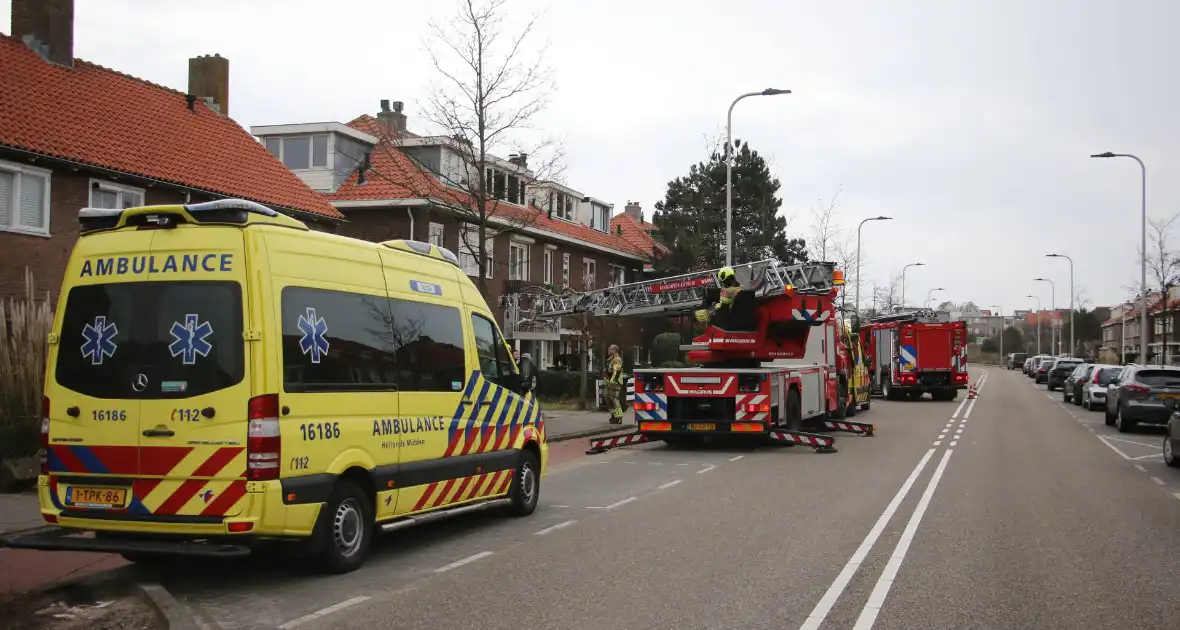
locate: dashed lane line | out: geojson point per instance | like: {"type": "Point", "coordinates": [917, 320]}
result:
{"type": "Point", "coordinates": [1158, 481]}
{"type": "Point", "coordinates": [668, 485]}
{"type": "Point", "coordinates": [553, 528]}
{"type": "Point", "coordinates": [458, 563]}
{"type": "Point", "coordinates": [705, 469]}
{"type": "Point", "coordinates": [1140, 468]}
{"type": "Point", "coordinates": [868, 614]}
{"type": "Point", "coordinates": [734, 459]}
{"type": "Point", "coordinates": [323, 612]}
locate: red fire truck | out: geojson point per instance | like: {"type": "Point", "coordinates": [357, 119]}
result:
{"type": "Point", "coordinates": [910, 354]}
{"type": "Point", "coordinates": [770, 364]}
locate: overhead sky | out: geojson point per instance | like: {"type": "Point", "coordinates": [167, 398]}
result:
{"type": "Point", "coordinates": [969, 122]}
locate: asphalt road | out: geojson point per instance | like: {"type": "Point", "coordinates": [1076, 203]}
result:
{"type": "Point", "coordinates": [1010, 512]}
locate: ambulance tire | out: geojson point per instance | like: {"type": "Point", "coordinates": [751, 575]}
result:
{"type": "Point", "coordinates": [526, 484]}
{"type": "Point", "coordinates": [345, 529]}
{"type": "Point", "coordinates": [867, 403]}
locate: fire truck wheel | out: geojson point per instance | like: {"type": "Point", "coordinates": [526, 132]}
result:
{"type": "Point", "coordinates": [794, 411]}
{"type": "Point", "coordinates": [841, 410]}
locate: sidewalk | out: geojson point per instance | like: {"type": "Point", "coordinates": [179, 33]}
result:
{"type": "Point", "coordinates": [23, 570]}
{"type": "Point", "coordinates": [570, 425]}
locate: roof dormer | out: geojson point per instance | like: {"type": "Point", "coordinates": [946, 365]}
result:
{"type": "Point", "coordinates": [321, 154]}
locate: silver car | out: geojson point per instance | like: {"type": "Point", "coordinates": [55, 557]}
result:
{"type": "Point", "coordinates": [1094, 389]}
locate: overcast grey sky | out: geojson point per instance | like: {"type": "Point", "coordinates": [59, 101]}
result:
{"type": "Point", "coordinates": [969, 122]}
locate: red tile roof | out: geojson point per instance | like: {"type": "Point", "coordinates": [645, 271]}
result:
{"type": "Point", "coordinates": [395, 176]}
{"type": "Point", "coordinates": [99, 117]}
{"type": "Point", "coordinates": [638, 233]}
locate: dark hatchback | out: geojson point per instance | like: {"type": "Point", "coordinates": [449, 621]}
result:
{"type": "Point", "coordinates": [1059, 370]}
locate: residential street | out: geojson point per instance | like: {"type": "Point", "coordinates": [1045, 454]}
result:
{"type": "Point", "coordinates": [1015, 515]}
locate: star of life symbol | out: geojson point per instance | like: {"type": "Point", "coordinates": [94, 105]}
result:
{"type": "Point", "coordinates": [313, 342]}
{"type": "Point", "coordinates": [191, 339]}
{"type": "Point", "coordinates": [99, 340]}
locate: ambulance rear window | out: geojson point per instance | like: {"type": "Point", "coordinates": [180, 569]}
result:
{"type": "Point", "coordinates": [148, 340]}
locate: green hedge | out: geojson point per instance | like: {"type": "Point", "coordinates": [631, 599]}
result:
{"type": "Point", "coordinates": [665, 348]}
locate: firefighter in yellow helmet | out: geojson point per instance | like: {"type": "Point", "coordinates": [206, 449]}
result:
{"type": "Point", "coordinates": [730, 287]}
{"type": "Point", "coordinates": [614, 384]}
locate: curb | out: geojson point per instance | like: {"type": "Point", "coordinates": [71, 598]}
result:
{"type": "Point", "coordinates": [173, 614]}
{"type": "Point", "coordinates": [565, 437]}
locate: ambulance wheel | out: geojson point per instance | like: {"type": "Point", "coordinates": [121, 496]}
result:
{"type": "Point", "coordinates": [868, 402]}
{"type": "Point", "coordinates": [794, 411]}
{"type": "Point", "coordinates": [841, 410]}
{"type": "Point", "coordinates": [526, 485]}
{"type": "Point", "coordinates": [345, 529]}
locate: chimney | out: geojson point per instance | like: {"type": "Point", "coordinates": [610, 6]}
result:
{"type": "Point", "coordinates": [47, 27]}
{"type": "Point", "coordinates": [391, 116]}
{"type": "Point", "coordinates": [632, 209]}
{"type": "Point", "coordinates": [519, 159]}
{"type": "Point", "coordinates": [208, 79]}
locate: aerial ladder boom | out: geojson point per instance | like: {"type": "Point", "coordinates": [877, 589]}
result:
{"type": "Point", "coordinates": [687, 292]}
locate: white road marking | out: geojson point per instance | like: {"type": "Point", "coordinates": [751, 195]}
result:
{"type": "Point", "coordinates": [734, 459]}
{"type": "Point", "coordinates": [559, 506]}
{"type": "Point", "coordinates": [953, 443]}
{"type": "Point", "coordinates": [1102, 438]}
{"type": "Point", "coordinates": [682, 464]}
{"type": "Point", "coordinates": [668, 485]}
{"type": "Point", "coordinates": [295, 623]}
{"type": "Point", "coordinates": [554, 528]}
{"type": "Point", "coordinates": [821, 610]}
{"type": "Point", "coordinates": [958, 431]}
{"type": "Point", "coordinates": [1152, 456]}
{"type": "Point", "coordinates": [1176, 494]}
{"type": "Point", "coordinates": [618, 503]}
{"type": "Point", "coordinates": [1130, 441]}
{"type": "Point", "coordinates": [458, 563]}
{"type": "Point", "coordinates": [958, 409]}
{"type": "Point", "coordinates": [969, 408]}
{"type": "Point", "coordinates": [868, 614]}
{"type": "Point", "coordinates": [705, 469]}
{"type": "Point", "coordinates": [1141, 469]}
{"type": "Point", "coordinates": [938, 442]}
{"type": "Point", "coordinates": [1158, 481]}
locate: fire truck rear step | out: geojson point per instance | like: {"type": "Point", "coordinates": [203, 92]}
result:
{"type": "Point", "coordinates": [604, 444]}
{"type": "Point", "coordinates": [818, 441]}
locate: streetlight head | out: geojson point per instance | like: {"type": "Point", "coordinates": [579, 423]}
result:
{"type": "Point", "coordinates": [918, 264]}
{"type": "Point", "coordinates": [774, 92]}
{"type": "Point", "coordinates": [1040, 280]}
{"type": "Point", "coordinates": [1054, 256]}
{"type": "Point", "coordinates": [939, 289]}
{"type": "Point", "coordinates": [884, 219]}
{"type": "Point", "coordinates": [1107, 154]}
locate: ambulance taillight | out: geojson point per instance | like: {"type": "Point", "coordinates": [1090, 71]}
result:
{"type": "Point", "coordinates": [45, 435]}
{"type": "Point", "coordinates": [264, 445]}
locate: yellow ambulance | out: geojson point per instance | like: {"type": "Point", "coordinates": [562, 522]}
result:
{"type": "Point", "coordinates": [220, 375]}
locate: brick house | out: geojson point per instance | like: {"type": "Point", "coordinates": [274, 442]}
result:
{"type": "Point", "coordinates": [75, 134]}
{"type": "Point", "coordinates": [390, 183]}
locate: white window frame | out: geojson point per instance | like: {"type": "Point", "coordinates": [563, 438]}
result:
{"type": "Point", "coordinates": [565, 271]}
{"type": "Point", "coordinates": [118, 189]}
{"type": "Point", "coordinates": [519, 271]}
{"type": "Point", "coordinates": [589, 273]}
{"type": "Point", "coordinates": [599, 218]}
{"type": "Point", "coordinates": [436, 229]}
{"type": "Point", "coordinates": [618, 275]}
{"type": "Point", "coordinates": [310, 150]}
{"type": "Point", "coordinates": [467, 256]}
{"type": "Point", "coordinates": [17, 170]}
{"type": "Point", "coordinates": [547, 264]}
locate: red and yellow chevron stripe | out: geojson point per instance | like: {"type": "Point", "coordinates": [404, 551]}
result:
{"type": "Point", "coordinates": [463, 489]}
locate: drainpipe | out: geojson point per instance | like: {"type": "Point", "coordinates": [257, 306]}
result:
{"type": "Point", "coordinates": [410, 213]}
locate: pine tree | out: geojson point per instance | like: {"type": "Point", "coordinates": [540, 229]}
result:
{"type": "Point", "coordinates": [691, 217]}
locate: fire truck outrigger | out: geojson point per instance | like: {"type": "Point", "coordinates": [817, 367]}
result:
{"type": "Point", "coordinates": [769, 361]}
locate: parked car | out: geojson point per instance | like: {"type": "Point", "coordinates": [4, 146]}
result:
{"type": "Point", "coordinates": [1071, 388]}
{"type": "Point", "coordinates": [1059, 370]}
{"type": "Point", "coordinates": [1136, 396]}
{"type": "Point", "coordinates": [1015, 360]}
{"type": "Point", "coordinates": [1093, 394]}
{"type": "Point", "coordinates": [1172, 438]}
{"type": "Point", "coordinates": [1028, 363]}
{"type": "Point", "coordinates": [1041, 371]}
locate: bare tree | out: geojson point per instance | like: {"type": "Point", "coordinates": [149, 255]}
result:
{"type": "Point", "coordinates": [887, 298]}
{"type": "Point", "coordinates": [826, 236]}
{"type": "Point", "coordinates": [1163, 263]}
{"type": "Point", "coordinates": [489, 88]}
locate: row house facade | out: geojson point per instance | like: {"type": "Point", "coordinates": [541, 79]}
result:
{"type": "Point", "coordinates": [74, 134]}
{"type": "Point", "coordinates": [1121, 332]}
{"type": "Point", "coordinates": [390, 183]}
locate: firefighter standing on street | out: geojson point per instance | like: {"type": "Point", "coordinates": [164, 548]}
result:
{"type": "Point", "coordinates": [614, 383]}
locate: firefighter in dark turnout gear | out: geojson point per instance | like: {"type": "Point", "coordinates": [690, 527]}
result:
{"type": "Point", "coordinates": [614, 384]}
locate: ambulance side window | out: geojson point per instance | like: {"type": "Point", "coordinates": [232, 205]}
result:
{"type": "Point", "coordinates": [494, 361]}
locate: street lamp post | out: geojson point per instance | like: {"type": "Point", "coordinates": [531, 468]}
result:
{"type": "Point", "coordinates": [1001, 312]}
{"type": "Point", "coordinates": [862, 224]}
{"type": "Point", "coordinates": [1053, 294]}
{"type": "Point", "coordinates": [1143, 251]}
{"type": "Point", "coordinates": [903, 279]}
{"type": "Point", "coordinates": [1071, 307]}
{"type": "Point", "coordinates": [729, 168]}
{"type": "Point", "coordinates": [1038, 320]}
{"type": "Point", "coordinates": [929, 295]}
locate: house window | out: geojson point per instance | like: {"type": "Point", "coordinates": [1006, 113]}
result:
{"type": "Point", "coordinates": [599, 217]}
{"type": "Point", "coordinates": [504, 187]}
{"type": "Point", "coordinates": [300, 152]}
{"type": "Point", "coordinates": [589, 272]}
{"type": "Point", "coordinates": [617, 275]}
{"type": "Point", "coordinates": [436, 234]}
{"type": "Point", "coordinates": [547, 266]}
{"type": "Point", "coordinates": [518, 261]}
{"type": "Point", "coordinates": [24, 199]}
{"type": "Point", "coordinates": [565, 271]}
{"type": "Point", "coordinates": [469, 251]}
{"type": "Point", "coordinates": [114, 196]}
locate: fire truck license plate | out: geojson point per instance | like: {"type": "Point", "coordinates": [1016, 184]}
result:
{"type": "Point", "coordinates": [700, 426]}
{"type": "Point", "coordinates": [1167, 396]}
{"type": "Point", "coordinates": [96, 497]}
